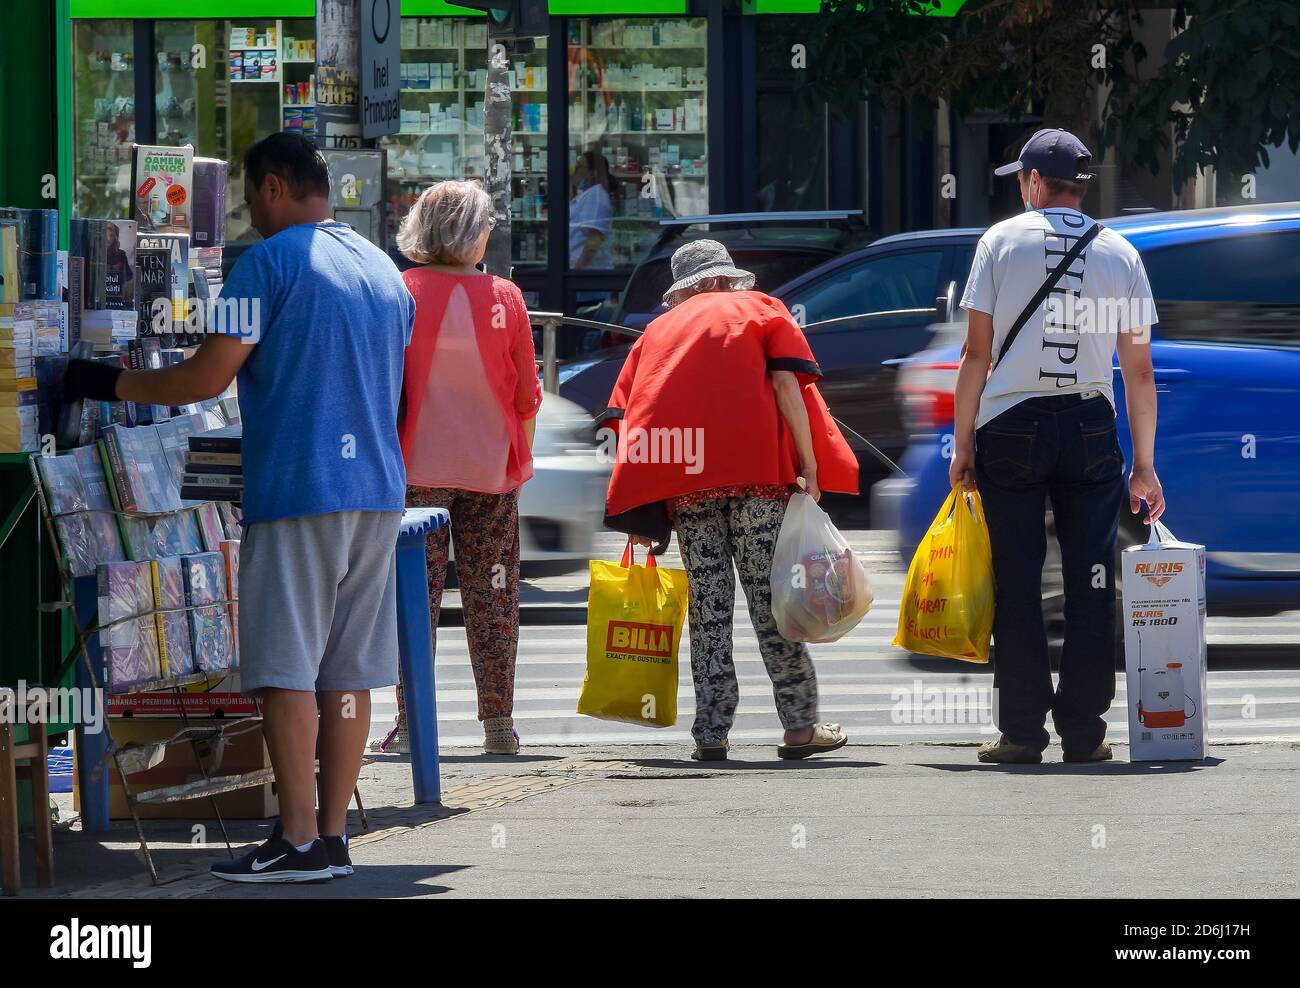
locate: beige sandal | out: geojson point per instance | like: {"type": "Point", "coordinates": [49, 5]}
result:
{"type": "Point", "coordinates": [499, 737]}
{"type": "Point", "coordinates": [826, 737]}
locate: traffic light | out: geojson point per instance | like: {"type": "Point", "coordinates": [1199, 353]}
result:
{"type": "Point", "coordinates": [509, 19]}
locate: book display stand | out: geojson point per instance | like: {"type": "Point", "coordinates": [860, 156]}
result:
{"type": "Point", "coordinates": [81, 599]}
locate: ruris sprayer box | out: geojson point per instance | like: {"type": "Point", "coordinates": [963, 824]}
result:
{"type": "Point", "coordinates": [1164, 648]}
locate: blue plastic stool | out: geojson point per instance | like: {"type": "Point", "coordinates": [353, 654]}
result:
{"type": "Point", "coordinates": [415, 649]}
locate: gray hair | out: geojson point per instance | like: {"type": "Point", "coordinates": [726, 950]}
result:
{"type": "Point", "coordinates": [446, 223]}
{"type": "Point", "coordinates": [717, 284]}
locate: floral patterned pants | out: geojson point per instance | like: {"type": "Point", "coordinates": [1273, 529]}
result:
{"type": "Point", "coordinates": [485, 531]}
{"type": "Point", "coordinates": [712, 535]}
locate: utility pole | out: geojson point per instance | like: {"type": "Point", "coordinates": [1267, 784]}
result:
{"type": "Point", "coordinates": [498, 150]}
{"type": "Point", "coordinates": [511, 27]}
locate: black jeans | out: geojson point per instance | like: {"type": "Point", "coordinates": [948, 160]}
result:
{"type": "Point", "coordinates": [1063, 448]}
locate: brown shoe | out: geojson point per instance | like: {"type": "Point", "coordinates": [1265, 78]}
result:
{"type": "Point", "coordinates": [1101, 753]}
{"type": "Point", "coordinates": [825, 737]}
{"type": "Point", "coordinates": [711, 752]}
{"type": "Point", "coordinates": [1005, 752]}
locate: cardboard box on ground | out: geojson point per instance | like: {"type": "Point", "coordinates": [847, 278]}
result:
{"type": "Point", "coordinates": [244, 752]}
{"type": "Point", "coordinates": [1164, 649]}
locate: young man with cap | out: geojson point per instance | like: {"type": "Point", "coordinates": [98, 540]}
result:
{"type": "Point", "coordinates": [1050, 299]}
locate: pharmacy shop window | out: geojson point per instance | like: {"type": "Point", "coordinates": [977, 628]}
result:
{"type": "Point", "coordinates": [443, 81]}
{"type": "Point", "coordinates": [103, 86]}
{"type": "Point", "coordinates": [637, 133]}
{"type": "Point", "coordinates": [265, 81]}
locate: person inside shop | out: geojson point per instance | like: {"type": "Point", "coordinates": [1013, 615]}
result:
{"type": "Point", "coordinates": [319, 368]}
{"type": "Point", "coordinates": [591, 212]}
{"type": "Point", "coordinates": [729, 365]}
{"type": "Point", "coordinates": [470, 399]}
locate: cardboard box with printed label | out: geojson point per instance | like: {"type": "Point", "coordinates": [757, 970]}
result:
{"type": "Point", "coordinates": [1164, 648]}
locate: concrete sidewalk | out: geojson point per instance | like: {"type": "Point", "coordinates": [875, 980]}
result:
{"type": "Point", "coordinates": [915, 820]}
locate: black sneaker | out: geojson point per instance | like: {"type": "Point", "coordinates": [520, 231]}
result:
{"type": "Point", "coordinates": [278, 861]}
{"type": "Point", "coordinates": [340, 862]}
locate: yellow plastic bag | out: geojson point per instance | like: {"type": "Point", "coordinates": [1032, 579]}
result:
{"type": "Point", "coordinates": [947, 606]}
{"type": "Point", "coordinates": [634, 625]}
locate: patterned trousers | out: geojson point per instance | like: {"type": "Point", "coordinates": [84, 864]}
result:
{"type": "Point", "coordinates": [712, 535]}
{"type": "Point", "coordinates": [485, 531]}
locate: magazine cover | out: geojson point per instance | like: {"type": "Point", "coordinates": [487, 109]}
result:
{"type": "Point", "coordinates": [174, 652]}
{"type": "Point", "coordinates": [230, 550]}
{"type": "Point", "coordinates": [162, 182]}
{"type": "Point", "coordinates": [101, 522]}
{"type": "Point", "coordinates": [210, 632]}
{"type": "Point", "coordinates": [130, 648]}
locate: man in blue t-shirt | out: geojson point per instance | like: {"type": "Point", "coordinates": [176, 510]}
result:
{"type": "Point", "coordinates": [314, 320]}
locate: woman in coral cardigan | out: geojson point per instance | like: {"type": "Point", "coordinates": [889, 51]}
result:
{"type": "Point", "coordinates": [469, 400]}
{"type": "Point", "coordinates": [724, 381]}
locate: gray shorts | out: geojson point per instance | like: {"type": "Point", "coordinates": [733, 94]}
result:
{"type": "Point", "coordinates": [318, 602]}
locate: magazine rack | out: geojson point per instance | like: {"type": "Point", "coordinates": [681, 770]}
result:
{"type": "Point", "coordinates": [80, 597]}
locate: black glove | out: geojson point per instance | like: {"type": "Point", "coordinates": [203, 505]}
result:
{"type": "Point", "coordinates": [90, 379]}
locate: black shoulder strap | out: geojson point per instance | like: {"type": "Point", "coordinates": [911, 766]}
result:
{"type": "Point", "coordinates": [1032, 306]}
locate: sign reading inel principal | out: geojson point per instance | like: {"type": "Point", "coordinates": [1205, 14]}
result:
{"type": "Point", "coordinates": [381, 54]}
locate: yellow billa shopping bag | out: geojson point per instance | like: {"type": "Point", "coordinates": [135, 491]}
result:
{"type": "Point", "coordinates": [947, 606]}
{"type": "Point", "coordinates": [634, 625]}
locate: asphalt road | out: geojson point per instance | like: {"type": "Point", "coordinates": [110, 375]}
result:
{"type": "Point", "coordinates": [880, 694]}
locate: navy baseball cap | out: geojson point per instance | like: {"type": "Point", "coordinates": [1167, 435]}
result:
{"type": "Point", "coordinates": [1056, 153]}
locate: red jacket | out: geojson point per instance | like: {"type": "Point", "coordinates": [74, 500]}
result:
{"type": "Point", "coordinates": [492, 392]}
{"type": "Point", "coordinates": [695, 409]}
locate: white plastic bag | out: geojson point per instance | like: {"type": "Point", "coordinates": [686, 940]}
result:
{"type": "Point", "coordinates": [819, 588]}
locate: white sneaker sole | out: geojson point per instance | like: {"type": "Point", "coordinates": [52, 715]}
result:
{"type": "Point", "coordinates": [277, 877]}
{"type": "Point", "coordinates": [340, 871]}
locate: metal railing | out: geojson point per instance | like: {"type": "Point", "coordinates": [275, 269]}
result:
{"type": "Point", "coordinates": [552, 321]}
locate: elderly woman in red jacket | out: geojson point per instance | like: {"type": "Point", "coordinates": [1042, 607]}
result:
{"type": "Point", "coordinates": [468, 405]}
{"type": "Point", "coordinates": [723, 384]}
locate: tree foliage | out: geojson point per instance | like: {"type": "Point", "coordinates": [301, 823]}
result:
{"type": "Point", "coordinates": [1223, 90]}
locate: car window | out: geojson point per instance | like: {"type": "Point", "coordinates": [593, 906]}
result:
{"type": "Point", "coordinates": [771, 269]}
{"type": "Point", "coordinates": [1243, 289]}
{"type": "Point", "coordinates": [905, 280]}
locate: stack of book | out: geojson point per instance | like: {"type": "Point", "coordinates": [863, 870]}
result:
{"type": "Point", "coordinates": [214, 466]}
{"type": "Point", "coordinates": [36, 237]}
{"type": "Point", "coordinates": [19, 412]}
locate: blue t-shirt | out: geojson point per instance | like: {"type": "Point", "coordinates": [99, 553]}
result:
{"type": "Point", "coordinates": [319, 394]}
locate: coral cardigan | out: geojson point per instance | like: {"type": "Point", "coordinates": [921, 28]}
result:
{"type": "Point", "coordinates": [470, 383]}
{"type": "Point", "coordinates": [695, 409]}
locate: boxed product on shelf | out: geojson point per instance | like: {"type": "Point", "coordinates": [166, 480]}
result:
{"type": "Point", "coordinates": [130, 646]}
{"type": "Point", "coordinates": [175, 654]}
{"type": "Point", "coordinates": [208, 215]}
{"type": "Point", "coordinates": [210, 630]}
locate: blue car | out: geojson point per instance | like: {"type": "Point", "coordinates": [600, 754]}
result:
{"type": "Point", "coordinates": [1227, 362]}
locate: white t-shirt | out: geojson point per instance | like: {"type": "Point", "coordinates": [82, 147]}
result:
{"type": "Point", "coordinates": [1105, 292]}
